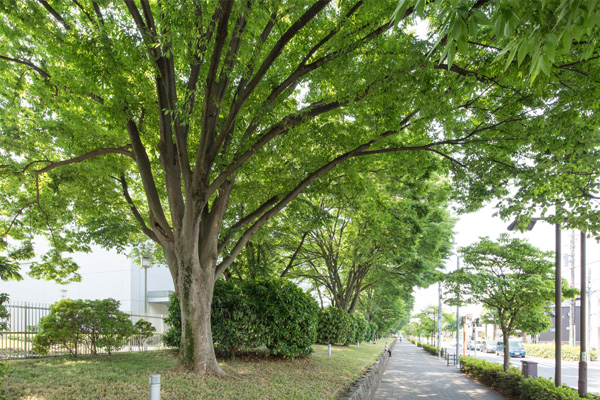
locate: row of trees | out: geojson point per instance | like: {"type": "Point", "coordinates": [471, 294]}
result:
{"type": "Point", "coordinates": [272, 313]}
{"type": "Point", "coordinates": [201, 122]}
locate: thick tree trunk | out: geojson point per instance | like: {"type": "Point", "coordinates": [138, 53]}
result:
{"type": "Point", "coordinates": [195, 291]}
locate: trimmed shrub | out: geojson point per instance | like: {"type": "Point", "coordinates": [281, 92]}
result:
{"type": "Point", "coordinates": [335, 326]}
{"type": "Point", "coordinates": [95, 323]}
{"type": "Point", "coordinates": [104, 325]}
{"type": "Point", "coordinates": [374, 328]}
{"type": "Point", "coordinates": [273, 312]}
{"type": "Point", "coordinates": [61, 326]}
{"type": "Point", "coordinates": [289, 316]}
{"type": "Point", "coordinates": [234, 324]}
{"type": "Point", "coordinates": [362, 329]}
{"type": "Point", "coordinates": [513, 384]}
{"type": "Point", "coordinates": [430, 349]}
{"type": "Point", "coordinates": [568, 353]}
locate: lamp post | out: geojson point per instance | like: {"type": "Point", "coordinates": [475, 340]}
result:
{"type": "Point", "coordinates": [146, 261]}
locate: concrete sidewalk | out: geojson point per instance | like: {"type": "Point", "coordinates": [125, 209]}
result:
{"type": "Point", "coordinates": [412, 373]}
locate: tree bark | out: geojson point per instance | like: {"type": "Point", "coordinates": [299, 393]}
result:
{"type": "Point", "coordinates": [194, 275]}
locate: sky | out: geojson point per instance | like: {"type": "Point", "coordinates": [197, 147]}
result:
{"type": "Point", "coordinates": [482, 223]}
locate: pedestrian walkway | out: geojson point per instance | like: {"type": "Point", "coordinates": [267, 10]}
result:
{"type": "Point", "coordinates": [412, 373]}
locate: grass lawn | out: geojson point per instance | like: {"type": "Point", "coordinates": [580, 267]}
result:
{"type": "Point", "coordinates": [125, 376]}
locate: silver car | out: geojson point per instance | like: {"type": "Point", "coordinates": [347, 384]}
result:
{"type": "Point", "coordinates": [489, 346]}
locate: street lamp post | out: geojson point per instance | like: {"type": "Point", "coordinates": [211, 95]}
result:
{"type": "Point", "coordinates": [146, 261]}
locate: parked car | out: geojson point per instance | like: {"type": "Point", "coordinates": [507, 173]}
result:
{"type": "Point", "coordinates": [479, 345]}
{"type": "Point", "coordinates": [489, 346]}
{"type": "Point", "coordinates": [471, 345]}
{"type": "Point", "coordinates": [516, 348]}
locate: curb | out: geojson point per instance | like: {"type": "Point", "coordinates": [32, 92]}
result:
{"type": "Point", "coordinates": [364, 387]}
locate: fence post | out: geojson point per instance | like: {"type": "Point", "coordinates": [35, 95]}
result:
{"type": "Point", "coordinates": [25, 329]}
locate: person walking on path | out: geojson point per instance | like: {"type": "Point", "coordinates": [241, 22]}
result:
{"type": "Point", "coordinates": [415, 374]}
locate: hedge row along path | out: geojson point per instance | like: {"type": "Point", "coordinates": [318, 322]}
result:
{"type": "Point", "coordinates": [413, 374]}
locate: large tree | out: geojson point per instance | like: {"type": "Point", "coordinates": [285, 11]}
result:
{"type": "Point", "coordinates": [198, 122]}
{"type": "Point", "coordinates": [510, 277]}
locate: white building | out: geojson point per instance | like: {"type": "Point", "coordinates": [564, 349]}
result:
{"type": "Point", "coordinates": [104, 274]}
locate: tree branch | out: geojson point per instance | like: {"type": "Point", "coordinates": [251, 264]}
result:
{"type": "Point", "coordinates": [56, 15]}
{"type": "Point", "coordinates": [37, 69]}
{"type": "Point", "coordinates": [299, 188]}
{"type": "Point", "coordinates": [134, 209]}
{"type": "Point", "coordinates": [118, 150]}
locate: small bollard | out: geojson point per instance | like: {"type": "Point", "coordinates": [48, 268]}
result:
{"type": "Point", "coordinates": [154, 387]}
{"type": "Point", "coordinates": [329, 349]}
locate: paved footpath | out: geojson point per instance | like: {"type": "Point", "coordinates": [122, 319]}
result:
{"type": "Point", "coordinates": [413, 374]}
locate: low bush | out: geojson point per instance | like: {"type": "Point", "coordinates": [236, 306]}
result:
{"type": "Point", "coordinates": [335, 326]}
{"type": "Point", "coordinates": [430, 349]}
{"type": "Point", "coordinates": [373, 330]}
{"type": "Point", "coordinates": [288, 315]}
{"type": "Point", "coordinates": [568, 353]}
{"type": "Point", "coordinates": [513, 384]}
{"type": "Point", "coordinates": [94, 323]}
{"type": "Point", "coordinates": [273, 312]}
{"type": "Point", "coordinates": [362, 331]}
{"type": "Point", "coordinates": [234, 324]}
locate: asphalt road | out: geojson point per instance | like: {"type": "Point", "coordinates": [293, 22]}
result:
{"type": "Point", "coordinates": [570, 369]}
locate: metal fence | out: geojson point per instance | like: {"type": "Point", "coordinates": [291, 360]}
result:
{"type": "Point", "coordinates": [17, 340]}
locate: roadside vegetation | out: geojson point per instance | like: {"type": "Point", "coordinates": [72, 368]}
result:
{"type": "Point", "coordinates": [568, 353]}
{"type": "Point", "coordinates": [124, 376]}
{"type": "Point", "coordinates": [513, 385]}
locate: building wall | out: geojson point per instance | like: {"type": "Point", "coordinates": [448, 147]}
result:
{"type": "Point", "coordinates": [104, 274]}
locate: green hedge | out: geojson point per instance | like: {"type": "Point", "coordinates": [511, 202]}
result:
{"type": "Point", "coordinates": [430, 349]}
{"type": "Point", "coordinates": [289, 316]}
{"type": "Point", "coordinates": [568, 353]}
{"type": "Point", "coordinates": [235, 326]}
{"type": "Point", "coordinates": [335, 326]}
{"type": "Point", "coordinates": [270, 312]}
{"type": "Point", "coordinates": [513, 384]}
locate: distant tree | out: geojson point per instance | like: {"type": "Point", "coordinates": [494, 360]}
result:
{"type": "Point", "coordinates": [510, 277]}
{"type": "Point", "coordinates": [143, 330]}
{"type": "Point", "coordinates": [428, 319]}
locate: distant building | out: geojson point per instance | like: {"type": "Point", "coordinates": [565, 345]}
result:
{"type": "Point", "coordinates": [104, 274]}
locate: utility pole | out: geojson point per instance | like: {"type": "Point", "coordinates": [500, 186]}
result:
{"type": "Point", "coordinates": [457, 315]}
{"type": "Point", "coordinates": [582, 381]}
{"type": "Point", "coordinates": [439, 320]}
{"type": "Point", "coordinates": [572, 337]}
{"type": "Point", "coordinates": [557, 308]}
{"type": "Point", "coordinates": [589, 309]}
